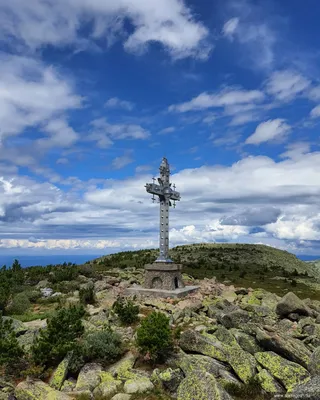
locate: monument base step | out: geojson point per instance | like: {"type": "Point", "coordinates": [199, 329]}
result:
{"type": "Point", "coordinates": [181, 292]}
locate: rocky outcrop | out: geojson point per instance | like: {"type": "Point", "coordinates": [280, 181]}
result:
{"type": "Point", "coordinates": [38, 390]}
{"type": "Point", "coordinates": [307, 391]}
{"type": "Point", "coordinates": [288, 373]}
{"type": "Point", "coordinates": [89, 377]}
{"type": "Point", "coordinates": [60, 373]}
{"type": "Point", "coordinates": [201, 386]}
{"type": "Point", "coordinates": [290, 303]}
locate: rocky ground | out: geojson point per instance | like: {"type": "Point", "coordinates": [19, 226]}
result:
{"type": "Point", "coordinates": [234, 343]}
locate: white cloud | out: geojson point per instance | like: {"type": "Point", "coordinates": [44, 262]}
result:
{"type": "Point", "coordinates": [114, 102]}
{"type": "Point", "coordinates": [37, 23]}
{"type": "Point", "coordinates": [105, 133]}
{"type": "Point", "coordinates": [296, 150]}
{"type": "Point", "coordinates": [217, 203]}
{"type": "Point", "coordinates": [315, 112]}
{"type": "Point", "coordinates": [122, 161]}
{"type": "Point", "coordinates": [230, 27]}
{"type": "Point", "coordinates": [286, 85]}
{"type": "Point", "coordinates": [226, 97]}
{"type": "Point", "coordinates": [31, 93]}
{"type": "Point", "coordinates": [170, 129]}
{"type": "Point", "coordinates": [274, 129]}
{"type": "Point", "coordinates": [314, 93]}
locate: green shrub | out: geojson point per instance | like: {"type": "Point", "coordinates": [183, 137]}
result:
{"type": "Point", "coordinates": [87, 294]}
{"type": "Point", "coordinates": [65, 273]}
{"type": "Point", "coordinates": [103, 346]}
{"type": "Point", "coordinates": [60, 336]}
{"type": "Point", "coordinates": [19, 305]}
{"type": "Point", "coordinates": [154, 338]}
{"type": "Point", "coordinates": [10, 350]}
{"type": "Point", "coordinates": [126, 310]}
{"type": "Point", "coordinates": [33, 295]}
{"type": "Point", "coordinates": [4, 295]}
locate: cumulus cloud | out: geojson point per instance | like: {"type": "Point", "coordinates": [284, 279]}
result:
{"type": "Point", "coordinates": [271, 130]}
{"type": "Point", "coordinates": [218, 203]}
{"type": "Point", "coordinates": [230, 27]}
{"type": "Point", "coordinates": [114, 102]}
{"type": "Point", "coordinates": [104, 133]}
{"type": "Point", "coordinates": [122, 161]}
{"type": "Point", "coordinates": [170, 129]}
{"type": "Point", "coordinates": [38, 23]}
{"type": "Point", "coordinates": [31, 93]}
{"type": "Point", "coordinates": [226, 97]}
{"type": "Point", "coordinates": [286, 85]}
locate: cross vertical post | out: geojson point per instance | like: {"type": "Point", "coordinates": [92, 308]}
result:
{"type": "Point", "coordinates": [165, 193]}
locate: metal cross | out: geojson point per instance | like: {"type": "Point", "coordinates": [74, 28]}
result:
{"type": "Point", "coordinates": [165, 193]}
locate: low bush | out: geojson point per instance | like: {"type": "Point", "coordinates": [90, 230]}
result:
{"type": "Point", "coordinates": [87, 294]}
{"type": "Point", "coordinates": [10, 350]}
{"type": "Point", "coordinates": [33, 295]}
{"type": "Point", "coordinates": [126, 310]}
{"type": "Point", "coordinates": [19, 304]}
{"type": "Point", "coordinates": [61, 336]}
{"type": "Point", "coordinates": [103, 346]}
{"type": "Point", "coordinates": [65, 273]}
{"type": "Point", "coordinates": [154, 337]}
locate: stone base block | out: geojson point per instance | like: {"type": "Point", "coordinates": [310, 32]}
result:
{"type": "Point", "coordinates": [180, 292]}
{"type": "Point", "coordinates": [163, 276]}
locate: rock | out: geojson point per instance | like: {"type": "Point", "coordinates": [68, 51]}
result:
{"type": "Point", "coordinates": [290, 303]}
{"type": "Point", "coordinates": [246, 342]}
{"type": "Point", "coordinates": [138, 385]}
{"type": "Point", "coordinates": [171, 379]}
{"type": "Point", "coordinates": [107, 389]}
{"type": "Point", "coordinates": [288, 347]}
{"type": "Point", "coordinates": [229, 295]}
{"type": "Point", "coordinates": [68, 385]}
{"type": "Point", "coordinates": [27, 339]}
{"type": "Point", "coordinates": [307, 391]}
{"type": "Point", "coordinates": [42, 284]}
{"type": "Point", "coordinates": [288, 373]}
{"type": "Point", "coordinates": [35, 325]}
{"type": "Point", "coordinates": [60, 373]}
{"type": "Point", "coordinates": [201, 386]}
{"type": "Point", "coordinates": [38, 390]}
{"type": "Point", "coordinates": [102, 285]}
{"type": "Point", "coordinates": [241, 291]}
{"type": "Point", "coordinates": [89, 377]}
{"type": "Point", "coordinates": [208, 346]}
{"type": "Point", "coordinates": [99, 320]}
{"type": "Point", "coordinates": [17, 325]}
{"type": "Point", "coordinates": [243, 364]}
{"type": "Point", "coordinates": [268, 383]}
{"type": "Point", "coordinates": [122, 396]}
{"type": "Point", "coordinates": [234, 319]}
{"type": "Point", "coordinates": [122, 369]}
{"type": "Point", "coordinates": [190, 304]}
{"type": "Point", "coordinates": [314, 364]}
{"type": "Point", "coordinates": [46, 292]}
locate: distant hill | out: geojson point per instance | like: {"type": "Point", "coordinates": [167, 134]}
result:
{"type": "Point", "coordinates": [246, 265]}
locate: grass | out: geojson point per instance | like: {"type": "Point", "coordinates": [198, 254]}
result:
{"type": "Point", "coordinates": [32, 316]}
{"type": "Point", "coordinates": [245, 265]}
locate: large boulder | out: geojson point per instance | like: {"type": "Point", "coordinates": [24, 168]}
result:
{"type": "Point", "coordinates": [122, 396]}
{"type": "Point", "coordinates": [288, 373]}
{"type": "Point", "coordinates": [89, 377]}
{"type": "Point", "coordinates": [38, 390]}
{"type": "Point", "coordinates": [290, 303]}
{"type": "Point", "coordinates": [138, 384]}
{"type": "Point", "coordinates": [122, 369]}
{"type": "Point", "coordinates": [60, 373]}
{"type": "Point", "coordinates": [314, 364]}
{"type": "Point", "coordinates": [234, 319]}
{"type": "Point", "coordinates": [247, 342]}
{"type": "Point", "coordinates": [209, 346]}
{"type": "Point", "coordinates": [290, 348]}
{"type": "Point", "coordinates": [268, 383]}
{"type": "Point", "coordinates": [307, 391]}
{"type": "Point", "coordinates": [108, 388]}
{"type": "Point", "coordinates": [201, 386]}
{"type": "Point", "coordinates": [171, 379]}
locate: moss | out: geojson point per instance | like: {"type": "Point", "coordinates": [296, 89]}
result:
{"type": "Point", "coordinates": [288, 373]}
{"type": "Point", "coordinates": [267, 382]}
{"type": "Point", "coordinates": [60, 373]}
{"type": "Point", "coordinates": [106, 377]}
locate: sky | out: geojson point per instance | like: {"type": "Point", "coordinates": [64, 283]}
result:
{"type": "Point", "coordinates": [94, 93]}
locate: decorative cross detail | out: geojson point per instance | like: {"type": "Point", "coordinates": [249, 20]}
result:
{"type": "Point", "coordinates": [165, 193]}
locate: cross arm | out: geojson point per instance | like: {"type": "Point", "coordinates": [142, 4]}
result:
{"type": "Point", "coordinates": [153, 189]}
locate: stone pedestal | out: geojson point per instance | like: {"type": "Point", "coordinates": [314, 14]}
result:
{"type": "Point", "coordinates": [163, 276]}
{"type": "Point", "coordinates": [162, 279]}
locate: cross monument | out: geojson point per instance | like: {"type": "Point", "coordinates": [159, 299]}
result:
{"type": "Point", "coordinates": [166, 194]}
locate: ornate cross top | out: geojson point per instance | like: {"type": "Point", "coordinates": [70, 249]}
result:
{"type": "Point", "coordinates": [165, 193]}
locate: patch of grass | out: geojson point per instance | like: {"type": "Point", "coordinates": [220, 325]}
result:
{"type": "Point", "coordinates": [32, 316]}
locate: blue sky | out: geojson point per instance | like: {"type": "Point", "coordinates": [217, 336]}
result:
{"type": "Point", "coordinates": [94, 94]}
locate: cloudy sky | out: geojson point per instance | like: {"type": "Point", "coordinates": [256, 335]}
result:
{"type": "Point", "coordinates": [94, 93]}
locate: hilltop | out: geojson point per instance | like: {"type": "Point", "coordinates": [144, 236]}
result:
{"type": "Point", "coordinates": [248, 265]}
